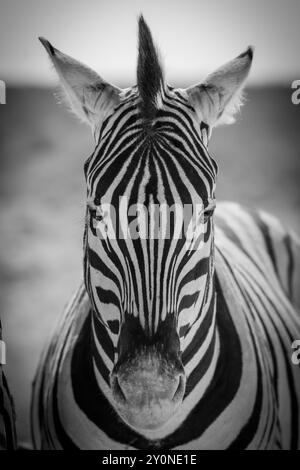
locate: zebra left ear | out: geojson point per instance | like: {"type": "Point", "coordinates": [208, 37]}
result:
{"type": "Point", "coordinates": [219, 97]}
{"type": "Point", "coordinates": [86, 93]}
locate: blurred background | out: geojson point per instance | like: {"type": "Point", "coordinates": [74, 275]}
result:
{"type": "Point", "coordinates": [43, 147]}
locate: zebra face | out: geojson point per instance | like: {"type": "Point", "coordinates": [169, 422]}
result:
{"type": "Point", "coordinates": [150, 279]}
{"type": "Point", "coordinates": [148, 291]}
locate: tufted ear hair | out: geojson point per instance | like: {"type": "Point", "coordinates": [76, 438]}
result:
{"type": "Point", "coordinates": [86, 93]}
{"type": "Point", "coordinates": [219, 97]}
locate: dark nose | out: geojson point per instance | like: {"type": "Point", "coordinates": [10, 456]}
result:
{"type": "Point", "coordinates": [148, 381]}
{"type": "Point", "coordinates": [147, 391]}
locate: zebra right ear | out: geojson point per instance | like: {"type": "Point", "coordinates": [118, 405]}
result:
{"type": "Point", "coordinates": [219, 97]}
{"type": "Point", "coordinates": [86, 93]}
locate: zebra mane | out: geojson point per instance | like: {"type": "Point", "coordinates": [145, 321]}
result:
{"type": "Point", "coordinates": [149, 73]}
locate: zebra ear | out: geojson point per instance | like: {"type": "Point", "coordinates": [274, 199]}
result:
{"type": "Point", "coordinates": [87, 95]}
{"type": "Point", "coordinates": [220, 96]}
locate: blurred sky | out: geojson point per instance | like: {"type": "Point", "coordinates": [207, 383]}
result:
{"type": "Point", "coordinates": [195, 36]}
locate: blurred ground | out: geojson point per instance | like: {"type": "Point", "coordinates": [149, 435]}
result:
{"type": "Point", "coordinates": [42, 192]}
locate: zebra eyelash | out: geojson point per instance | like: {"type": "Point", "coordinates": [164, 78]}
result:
{"type": "Point", "coordinates": [94, 211]}
{"type": "Point", "coordinates": [209, 211]}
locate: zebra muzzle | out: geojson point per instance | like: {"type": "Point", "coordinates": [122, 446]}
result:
{"type": "Point", "coordinates": [147, 390]}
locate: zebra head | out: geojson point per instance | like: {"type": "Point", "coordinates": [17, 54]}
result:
{"type": "Point", "coordinates": [153, 297]}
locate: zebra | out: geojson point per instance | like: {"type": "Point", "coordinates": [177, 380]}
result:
{"type": "Point", "coordinates": [162, 346]}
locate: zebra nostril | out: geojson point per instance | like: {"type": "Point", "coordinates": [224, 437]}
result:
{"type": "Point", "coordinates": [178, 395]}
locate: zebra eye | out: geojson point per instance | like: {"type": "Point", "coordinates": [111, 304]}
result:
{"type": "Point", "coordinates": [95, 214]}
{"type": "Point", "coordinates": [208, 213]}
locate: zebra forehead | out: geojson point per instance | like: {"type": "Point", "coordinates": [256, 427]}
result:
{"type": "Point", "coordinates": [126, 160]}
